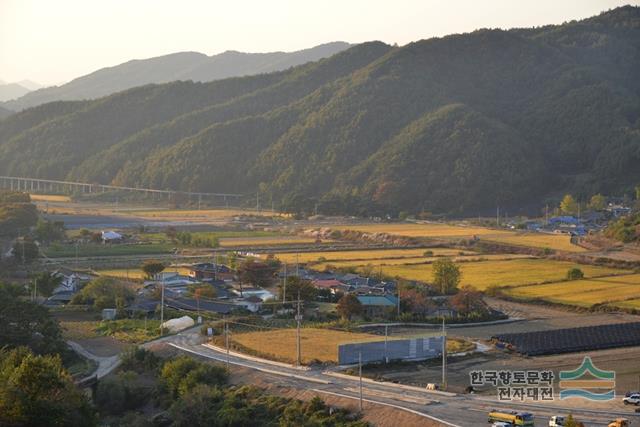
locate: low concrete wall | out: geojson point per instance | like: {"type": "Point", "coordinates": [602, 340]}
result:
{"type": "Point", "coordinates": [404, 349]}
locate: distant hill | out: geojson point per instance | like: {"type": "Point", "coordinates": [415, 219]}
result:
{"type": "Point", "coordinates": [455, 125]}
{"type": "Point", "coordinates": [178, 66]}
{"type": "Point", "coordinates": [10, 91]}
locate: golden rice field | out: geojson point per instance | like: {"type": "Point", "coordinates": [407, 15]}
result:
{"type": "Point", "coordinates": [317, 344]}
{"type": "Point", "coordinates": [374, 254]}
{"type": "Point", "coordinates": [501, 273]}
{"type": "Point", "coordinates": [424, 230]}
{"type": "Point", "coordinates": [420, 260]}
{"type": "Point", "coordinates": [135, 273]}
{"type": "Point", "coordinates": [50, 198]}
{"type": "Point", "coordinates": [265, 241]}
{"type": "Point", "coordinates": [560, 242]}
{"type": "Point", "coordinates": [585, 293]}
{"type": "Point", "coordinates": [632, 303]}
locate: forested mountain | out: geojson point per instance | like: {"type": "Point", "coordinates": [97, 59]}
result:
{"type": "Point", "coordinates": [457, 124]}
{"type": "Point", "coordinates": [178, 66]}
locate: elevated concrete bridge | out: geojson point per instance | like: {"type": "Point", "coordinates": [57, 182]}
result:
{"type": "Point", "coordinates": [38, 185]}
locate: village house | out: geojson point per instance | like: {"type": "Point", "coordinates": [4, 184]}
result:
{"type": "Point", "coordinates": [377, 305]}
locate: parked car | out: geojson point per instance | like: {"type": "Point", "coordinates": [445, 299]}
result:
{"type": "Point", "coordinates": [556, 421]}
{"type": "Point", "coordinates": [633, 399]}
{"type": "Point", "coordinates": [629, 393]}
{"type": "Point", "coordinates": [501, 424]}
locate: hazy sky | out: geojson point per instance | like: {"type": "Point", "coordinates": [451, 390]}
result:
{"type": "Point", "coordinates": [53, 41]}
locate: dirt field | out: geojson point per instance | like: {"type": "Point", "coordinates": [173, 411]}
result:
{"type": "Point", "coordinates": [264, 241]}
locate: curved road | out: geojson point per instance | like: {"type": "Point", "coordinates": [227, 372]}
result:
{"type": "Point", "coordinates": [447, 408]}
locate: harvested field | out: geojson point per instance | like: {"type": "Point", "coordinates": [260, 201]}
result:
{"type": "Point", "coordinates": [445, 231]}
{"type": "Point", "coordinates": [374, 254]}
{"type": "Point", "coordinates": [317, 344]}
{"type": "Point", "coordinates": [513, 272]}
{"type": "Point", "coordinates": [560, 242]}
{"type": "Point", "coordinates": [585, 293]}
{"type": "Point", "coordinates": [422, 260]}
{"type": "Point", "coordinates": [424, 230]}
{"type": "Point", "coordinates": [49, 198]}
{"type": "Point", "coordinates": [264, 241]}
{"type": "Point", "coordinates": [135, 273]}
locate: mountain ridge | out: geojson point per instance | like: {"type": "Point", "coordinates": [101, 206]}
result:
{"type": "Point", "coordinates": [457, 125]}
{"type": "Point", "coordinates": [172, 67]}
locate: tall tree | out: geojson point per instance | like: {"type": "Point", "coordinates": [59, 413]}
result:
{"type": "Point", "coordinates": [446, 275]}
{"type": "Point", "coordinates": [568, 205]}
{"type": "Point", "coordinates": [349, 306]}
{"type": "Point", "coordinates": [598, 202]}
{"type": "Point", "coordinates": [37, 391]}
{"type": "Point", "coordinates": [297, 286]}
{"type": "Point", "coordinates": [23, 323]}
{"type": "Point", "coordinates": [152, 267]}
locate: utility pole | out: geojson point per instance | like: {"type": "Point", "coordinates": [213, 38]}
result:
{"type": "Point", "coordinates": [546, 215]}
{"type": "Point", "coordinates": [298, 348]}
{"type": "Point", "coordinates": [162, 306]}
{"type": "Point", "coordinates": [398, 286]}
{"type": "Point", "coordinates": [498, 216]}
{"type": "Point", "coordinates": [360, 375]}
{"type": "Point", "coordinates": [226, 341]}
{"type": "Point", "coordinates": [444, 356]}
{"type": "Point", "coordinates": [297, 266]}
{"type": "Point", "coordinates": [284, 286]}
{"type": "Point", "coordinates": [386, 333]}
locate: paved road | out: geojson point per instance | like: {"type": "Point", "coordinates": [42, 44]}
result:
{"type": "Point", "coordinates": [105, 364]}
{"type": "Point", "coordinates": [453, 410]}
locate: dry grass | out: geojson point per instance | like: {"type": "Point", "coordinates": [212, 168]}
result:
{"type": "Point", "coordinates": [79, 329]}
{"type": "Point", "coordinates": [501, 273]}
{"type": "Point", "coordinates": [49, 198]}
{"type": "Point", "coordinates": [585, 293]}
{"type": "Point", "coordinates": [317, 344]}
{"type": "Point", "coordinates": [264, 241]}
{"type": "Point", "coordinates": [445, 231]}
{"type": "Point", "coordinates": [374, 254]}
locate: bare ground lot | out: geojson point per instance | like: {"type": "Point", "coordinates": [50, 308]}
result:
{"type": "Point", "coordinates": [78, 326]}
